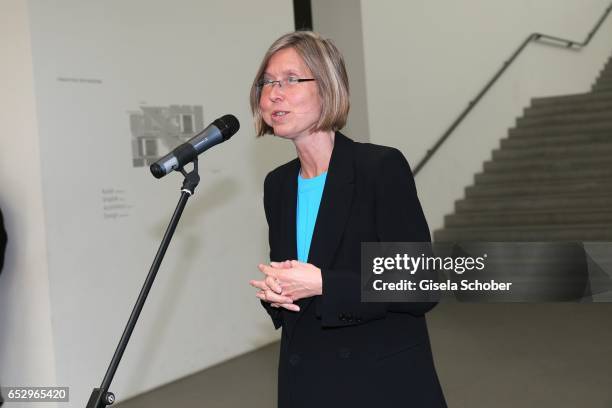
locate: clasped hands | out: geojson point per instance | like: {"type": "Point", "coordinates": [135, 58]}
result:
{"type": "Point", "coordinates": [288, 281]}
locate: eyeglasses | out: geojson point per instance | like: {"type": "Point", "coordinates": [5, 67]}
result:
{"type": "Point", "coordinates": [289, 82]}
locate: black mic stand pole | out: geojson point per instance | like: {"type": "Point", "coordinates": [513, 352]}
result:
{"type": "Point", "coordinates": [101, 397]}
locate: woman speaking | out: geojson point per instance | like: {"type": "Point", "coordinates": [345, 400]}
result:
{"type": "Point", "coordinates": [335, 350]}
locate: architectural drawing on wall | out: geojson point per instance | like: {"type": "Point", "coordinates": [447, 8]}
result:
{"type": "Point", "coordinates": [158, 129]}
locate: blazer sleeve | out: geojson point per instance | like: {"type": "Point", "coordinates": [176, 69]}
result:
{"type": "Point", "coordinates": [275, 313]}
{"type": "Point", "coordinates": [399, 218]}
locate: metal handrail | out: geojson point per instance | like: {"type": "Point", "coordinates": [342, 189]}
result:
{"type": "Point", "coordinates": [543, 38]}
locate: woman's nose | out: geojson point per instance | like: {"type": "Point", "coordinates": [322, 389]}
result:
{"type": "Point", "coordinates": [277, 91]}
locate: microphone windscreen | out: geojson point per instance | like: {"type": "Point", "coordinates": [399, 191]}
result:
{"type": "Point", "coordinates": [228, 125]}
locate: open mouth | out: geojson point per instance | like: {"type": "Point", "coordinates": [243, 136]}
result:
{"type": "Point", "coordinates": [278, 114]}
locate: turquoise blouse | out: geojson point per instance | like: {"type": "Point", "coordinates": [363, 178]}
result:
{"type": "Point", "coordinates": [310, 192]}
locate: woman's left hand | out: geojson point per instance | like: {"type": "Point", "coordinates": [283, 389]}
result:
{"type": "Point", "coordinates": [297, 280]}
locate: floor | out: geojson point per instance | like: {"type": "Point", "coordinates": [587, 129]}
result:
{"type": "Point", "coordinates": [487, 355]}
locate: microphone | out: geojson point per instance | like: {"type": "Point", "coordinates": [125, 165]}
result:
{"type": "Point", "coordinates": [217, 132]}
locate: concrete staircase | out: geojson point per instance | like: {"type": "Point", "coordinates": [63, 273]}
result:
{"type": "Point", "coordinates": [551, 178]}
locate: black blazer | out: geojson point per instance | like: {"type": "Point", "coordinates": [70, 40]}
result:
{"type": "Point", "coordinates": [338, 351]}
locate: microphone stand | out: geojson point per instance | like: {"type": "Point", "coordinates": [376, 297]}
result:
{"type": "Point", "coordinates": [101, 397]}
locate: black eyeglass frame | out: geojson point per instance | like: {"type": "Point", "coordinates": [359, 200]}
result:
{"type": "Point", "coordinates": [294, 81]}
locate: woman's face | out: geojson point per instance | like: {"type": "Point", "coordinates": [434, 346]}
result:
{"type": "Point", "coordinates": [293, 109]}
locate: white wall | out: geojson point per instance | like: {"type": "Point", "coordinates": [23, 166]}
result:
{"type": "Point", "coordinates": [26, 344]}
{"type": "Point", "coordinates": [341, 22]}
{"type": "Point", "coordinates": [424, 60]}
{"type": "Point", "coordinates": [66, 302]}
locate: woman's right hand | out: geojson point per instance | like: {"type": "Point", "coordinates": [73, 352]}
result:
{"type": "Point", "coordinates": [271, 292]}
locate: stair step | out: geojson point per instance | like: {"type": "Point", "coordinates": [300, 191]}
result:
{"type": "Point", "coordinates": [544, 164]}
{"type": "Point", "coordinates": [552, 141]}
{"type": "Point", "coordinates": [516, 204]}
{"type": "Point", "coordinates": [564, 217]}
{"type": "Point", "coordinates": [565, 119]}
{"type": "Point", "coordinates": [604, 79]}
{"type": "Point", "coordinates": [607, 67]}
{"type": "Point", "coordinates": [556, 152]}
{"type": "Point", "coordinates": [554, 130]}
{"type": "Point", "coordinates": [598, 232]}
{"type": "Point", "coordinates": [575, 187]}
{"type": "Point", "coordinates": [606, 72]}
{"type": "Point", "coordinates": [600, 253]}
{"type": "Point", "coordinates": [570, 99]}
{"type": "Point", "coordinates": [541, 176]}
{"type": "Point", "coordinates": [583, 107]}
{"type": "Point", "coordinates": [602, 88]}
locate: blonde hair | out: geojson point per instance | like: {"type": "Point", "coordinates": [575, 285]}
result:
{"type": "Point", "coordinates": [326, 65]}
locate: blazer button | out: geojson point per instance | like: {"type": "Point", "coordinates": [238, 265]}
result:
{"type": "Point", "coordinates": [294, 359]}
{"type": "Point", "coordinates": [344, 353]}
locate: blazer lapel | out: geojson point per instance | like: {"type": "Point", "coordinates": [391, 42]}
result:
{"type": "Point", "coordinates": [289, 201]}
{"type": "Point", "coordinates": [335, 204]}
